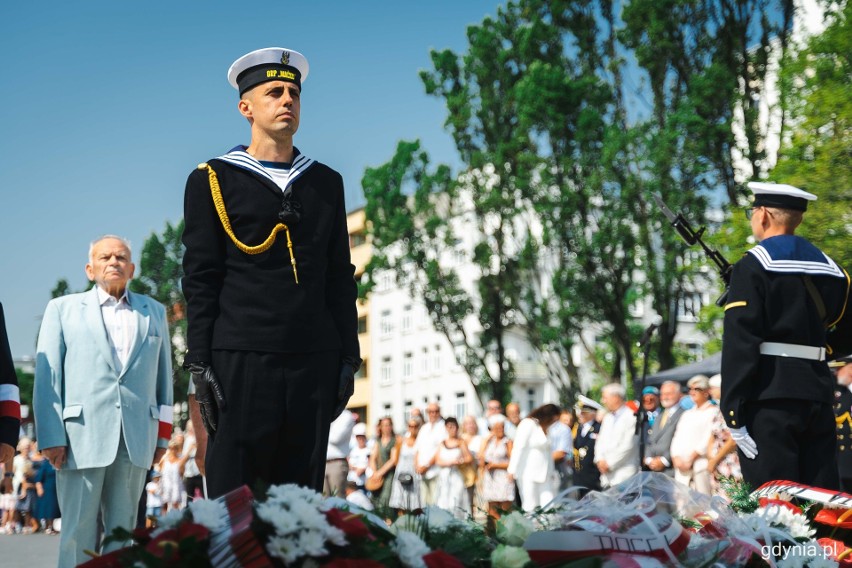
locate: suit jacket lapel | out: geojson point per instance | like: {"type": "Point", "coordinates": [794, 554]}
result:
{"type": "Point", "coordinates": [139, 305]}
{"type": "Point", "coordinates": [95, 322]}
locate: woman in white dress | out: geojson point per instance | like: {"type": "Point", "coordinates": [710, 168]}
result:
{"type": "Point", "coordinates": [453, 452]}
{"type": "Point", "coordinates": [405, 493]}
{"type": "Point", "coordinates": [498, 489]}
{"type": "Point", "coordinates": [531, 463]}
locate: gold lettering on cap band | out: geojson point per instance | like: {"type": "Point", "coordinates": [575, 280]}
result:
{"type": "Point", "coordinates": [280, 74]}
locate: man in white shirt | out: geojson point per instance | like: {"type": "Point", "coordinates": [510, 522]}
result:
{"type": "Point", "coordinates": [617, 446]}
{"type": "Point", "coordinates": [336, 464]}
{"type": "Point", "coordinates": [692, 435]}
{"type": "Point", "coordinates": [428, 441]}
{"type": "Point", "coordinates": [102, 398]}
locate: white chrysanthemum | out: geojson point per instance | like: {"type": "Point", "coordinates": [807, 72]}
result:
{"type": "Point", "coordinates": [312, 543]}
{"type": "Point", "coordinates": [309, 516]}
{"type": "Point", "coordinates": [410, 549]}
{"type": "Point", "coordinates": [284, 547]}
{"type": "Point", "coordinates": [278, 517]}
{"type": "Point", "coordinates": [211, 514]}
{"type": "Point", "coordinates": [335, 536]}
{"type": "Point", "coordinates": [776, 516]}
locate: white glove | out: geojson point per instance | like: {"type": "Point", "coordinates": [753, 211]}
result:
{"type": "Point", "coordinates": [745, 442]}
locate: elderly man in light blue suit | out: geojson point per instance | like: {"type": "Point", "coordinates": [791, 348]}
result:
{"type": "Point", "coordinates": [102, 398]}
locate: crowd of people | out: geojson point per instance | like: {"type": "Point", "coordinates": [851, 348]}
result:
{"type": "Point", "coordinates": [484, 465]}
{"type": "Point", "coordinates": [28, 501]}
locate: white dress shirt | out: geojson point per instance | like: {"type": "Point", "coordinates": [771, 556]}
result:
{"type": "Point", "coordinates": [120, 324]}
{"type": "Point", "coordinates": [338, 436]}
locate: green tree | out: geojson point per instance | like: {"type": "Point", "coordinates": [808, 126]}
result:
{"type": "Point", "coordinates": [817, 155]}
{"type": "Point", "coordinates": [159, 274]}
{"type": "Point", "coordinates": [559, 166]}
{"type": "Point", "coordinates": [25, 386]}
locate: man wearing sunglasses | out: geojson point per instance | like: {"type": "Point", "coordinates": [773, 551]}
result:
{"type": "Point", "coordinates": [786, 315]}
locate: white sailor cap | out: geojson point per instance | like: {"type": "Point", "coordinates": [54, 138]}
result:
{"type": "Point", "coordinates": [780, 195]}
{"type": "Point", "coordinates": [586, 403]}
{"type": "Point", "coordinates": [268, 64]}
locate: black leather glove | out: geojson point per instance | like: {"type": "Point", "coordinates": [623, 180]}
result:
{"type": "Point", "coordinates": [208, 393]}
{"type": "Point", "coordinates": [346, 384]}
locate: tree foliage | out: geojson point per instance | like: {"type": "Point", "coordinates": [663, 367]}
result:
{"type": "Point", "coordinates": [567, 117]}
{"type": "Point", "coordinates": [159, 274]}
{"type": "Point", "coordinates": [817, 154]}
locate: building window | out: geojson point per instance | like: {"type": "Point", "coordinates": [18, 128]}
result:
{"type": "Point", "coordinates": [406, 318]}
{"type": "Point", "coordinates": [408, 405]}
{"type": "Point", "coordinates": [424, 361]}
{"type": "Point", "coordinates": [530, 400]}
{"type": "Point", "coordinates": [386, 280]}
{"type": "Point", "coordinates": [385, 324]}
{"type": "Point", "coordinates": [407, 365]}
{"type": "Point", "coordinates": [436, 359]}
{"type": "Point", "coordinates": [387, 371]}
{"type": "Point", "coordinates": [362, 370]}
{"type": "Point", "coordinates": [386, 409]}
{"type": "Point", "coordinates": [362, 324]}
{"type": "Point", "coordinates": [460, 406]}
{"type": "Point", "coordinates": [689, 306]}
{"type": "Point", "coordinates": [357, 239]}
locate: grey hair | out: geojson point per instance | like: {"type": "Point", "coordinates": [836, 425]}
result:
{"type": "Point", "coordinates": [616, 389]}
{"type": "Point", "coordinates": [123, 241]}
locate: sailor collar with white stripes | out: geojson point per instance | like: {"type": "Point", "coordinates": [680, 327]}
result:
{"type": "Point", "coordinates": [792, 254]}
{"type": "Point", "coordinates": [240, 158]}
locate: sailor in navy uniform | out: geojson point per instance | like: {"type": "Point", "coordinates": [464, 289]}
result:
{"type": "Point", "coordinates": [842, 409]}
{"type": "Point", "coordinates": [586, 473]}
{"type": "Point", "coordinates": [272, 323]}
{"type": "Point", "coordinates": [786, 316]}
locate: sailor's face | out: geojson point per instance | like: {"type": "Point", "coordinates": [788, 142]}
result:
{"type": "Point", "coordinates": [274, 106]}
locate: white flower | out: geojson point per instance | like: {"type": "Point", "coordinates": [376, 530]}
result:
{"type": "Point", "coordinates": [279, 518]}
{"type": "Point", "coordinates": [168, 521]}
{"type": "Point", "coordinates": [509, 557]}
{"type": "Point", "coordinates": [335, 536]}
{"type": "Point", "coordinates": [211, 514]}
{"type": "Point", "coordinates": [410, 549]}
{"type": "Point", "coordinates": [284, 547]}
{"type": "Point", "coordinates": [312, 543]}
{"type": "Point", "coordinates": [777, 516]}
{"type": "Point", "coordinates": [514, 528]}
{"type": "Point", "coordinates": [301, 528]}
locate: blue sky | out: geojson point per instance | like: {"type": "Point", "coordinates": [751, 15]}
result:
{"type": "Point", "coordinates": [107, 106]}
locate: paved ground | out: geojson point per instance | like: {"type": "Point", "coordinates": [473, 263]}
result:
{"type": "Point", "coordinates": [29, 551]}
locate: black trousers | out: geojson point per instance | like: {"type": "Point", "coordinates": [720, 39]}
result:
{"type": "Point", "coordinates": [795, 442]}
{"type": "Point", "coordinates": [274, 429]}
